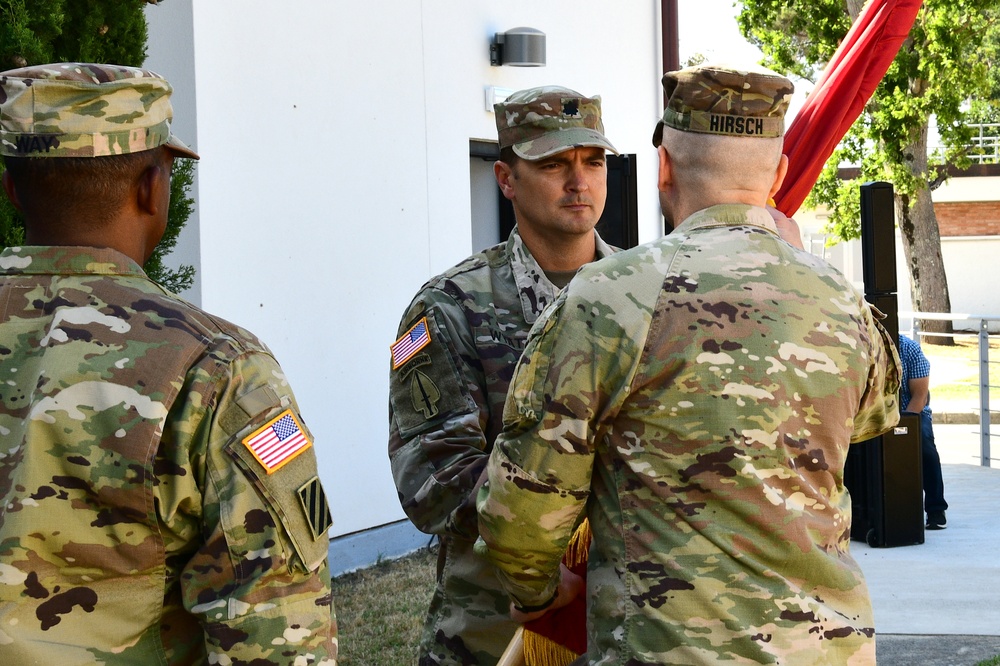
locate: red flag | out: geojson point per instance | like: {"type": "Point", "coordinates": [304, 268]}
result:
{"type": "Point", "coordinates": [849, 80]}
{"type": "Point", "coordinates": [560, 636]}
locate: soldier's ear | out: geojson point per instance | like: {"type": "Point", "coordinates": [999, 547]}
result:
{"type": "Point", "coordinates": [505, 176]}
{"type": "Point", "coordinates": [665, 177]}
{"type": "Point", "coordinates": [8, 187]}
{"type": "Point", "coordinates": [779, 176]}
{"type": "Point", "coordinates": [153, 183]}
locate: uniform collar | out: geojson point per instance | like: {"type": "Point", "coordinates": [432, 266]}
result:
{"type": "Point", "coordinates": [729, 215]}
{"type": "Point", "coordinates": [66, 260]}
{"type": "Point", "coordinates": [534, 289]}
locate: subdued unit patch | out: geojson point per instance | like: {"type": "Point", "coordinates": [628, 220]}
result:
{"type": "Point", "coordinates": [315, 505]}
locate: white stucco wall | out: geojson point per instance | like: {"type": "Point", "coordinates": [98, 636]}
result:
{"type": "Point", "coordinates": [335, 175]}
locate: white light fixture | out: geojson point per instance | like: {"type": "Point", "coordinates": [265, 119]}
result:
{"type": "Point", "coordinates": [495, 95]}
{"type": "Point", "coordinates": [518, 47]}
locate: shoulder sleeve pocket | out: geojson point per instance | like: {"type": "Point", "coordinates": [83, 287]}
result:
{"type": "Point", "coordinates": [288, 483]}
{"type": "Point", "coordinates": [425, 384]}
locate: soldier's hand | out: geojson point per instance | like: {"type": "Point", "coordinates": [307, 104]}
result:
{"type": "Point", "coordinates": [570, 586]}
{"type": "Point", "coordinates": [788, 229]}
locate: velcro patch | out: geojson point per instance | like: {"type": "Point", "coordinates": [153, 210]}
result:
{"type": "Point", "coordinates": [315, 505]}
{"type": "Point", "coordinates": [278, 442]}
{"type": "Point", "coordinates": [415, 339]}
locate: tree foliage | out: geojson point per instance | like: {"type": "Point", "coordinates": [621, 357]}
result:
{"type": "Point", "coordinates": [35, 32]}
{"type": "Point", "coordinates": [940, 68]}
{"type": "Point", "coordinates": [985, 105]}
{"type": "Point", "coordinates": [180, 209]}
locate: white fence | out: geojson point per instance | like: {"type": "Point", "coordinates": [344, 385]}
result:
{"type": "Point", "coordinates": [985, 148]}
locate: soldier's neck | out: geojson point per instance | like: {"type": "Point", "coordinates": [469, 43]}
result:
{"type": "Point", "coordinates": [561, 252]}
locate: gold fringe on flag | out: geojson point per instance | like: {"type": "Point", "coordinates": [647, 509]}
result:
{"type": "Point", "coordinates": [578, 548]}
{"type": "Point", "coordinates": [542, 651]}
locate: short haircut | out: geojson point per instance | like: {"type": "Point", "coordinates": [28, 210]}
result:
{"type": "Point", "coordinates": [88, 190]}
{"type": "Point", "coordinates": [710, 160]}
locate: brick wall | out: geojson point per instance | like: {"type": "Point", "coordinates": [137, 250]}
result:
{"type": "Point", "coordinates": [973, 218]}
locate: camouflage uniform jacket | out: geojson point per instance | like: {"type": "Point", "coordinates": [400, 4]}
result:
{"type": "Point", "coordinates": [694, 397]}
{"type": "Point", "coordinates": [136, 528]}
{"type": "Point", "coordinates": [445, 412]}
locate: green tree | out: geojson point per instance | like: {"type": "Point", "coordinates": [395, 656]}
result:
{"type": "Point", "coordinates": [939, 69]}
{"type": "Point", "coordinates": [985, 105]}
{"type": "Point", "coordinates": [34, 32]}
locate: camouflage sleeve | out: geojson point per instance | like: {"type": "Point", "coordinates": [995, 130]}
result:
{"type": "Point", "coordinates": [573, 376]}
{"type": "Point", "coordinates": [879, 408]}
{"type": "Point", "coordinates": [437, 416]}
{"type": "Point", "coordinates": [258, 581]}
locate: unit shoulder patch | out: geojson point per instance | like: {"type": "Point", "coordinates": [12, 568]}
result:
{"type": "Point", "coordinates": [317, 509]}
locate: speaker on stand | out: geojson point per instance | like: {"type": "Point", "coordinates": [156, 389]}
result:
{"type": "Point", "coordinates": [883, 474]}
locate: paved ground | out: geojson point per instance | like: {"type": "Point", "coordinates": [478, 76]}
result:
{"type": "Point", "coordinates": [902, 650]}
{"type": "Point", "coordinates": [938, 603]}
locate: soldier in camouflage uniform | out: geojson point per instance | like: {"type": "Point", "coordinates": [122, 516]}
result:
{"type": "Point", "coordinates": [159, 499]}
{"type": "Point", "coordinates": [694, 398]}
{"type": "Point", "coordinates": [459, 341]}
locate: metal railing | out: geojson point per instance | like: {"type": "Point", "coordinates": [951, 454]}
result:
{"type": "Point", "coordinates": [985, 146]}
{"type": "Point", "coordinates": [983, 337]}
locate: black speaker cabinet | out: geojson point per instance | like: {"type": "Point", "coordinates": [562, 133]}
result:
{"type": "Point", "coordinates": [884, 479]}
{"type": "Point", "coordinates": [878, 237]}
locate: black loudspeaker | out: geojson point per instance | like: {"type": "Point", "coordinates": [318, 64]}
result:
{"type": "Point", "coordinates": [883, 474]}
{"type": "Point", "coordinates": [884, 479]}
{"type": "Point", "coordinates": [878, 237]}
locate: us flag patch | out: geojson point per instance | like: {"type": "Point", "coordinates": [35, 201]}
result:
{"type": "Point", "coordinates": [317, 510]}
{"type": "Point", "coordinates": [279, 442]}
{"type": "Point", "coordinates": [410, 343]}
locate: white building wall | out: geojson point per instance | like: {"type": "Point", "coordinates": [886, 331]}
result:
{"type": "Point", "coordinates": [335, 175]}
{"type": "Point", "coordinates": [170, 50]}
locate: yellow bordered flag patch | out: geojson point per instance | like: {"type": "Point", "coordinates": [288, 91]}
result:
{"type": "Point", "coordinates": [415, 339]}
{"type": "Point", "coordinates": [278, 442]}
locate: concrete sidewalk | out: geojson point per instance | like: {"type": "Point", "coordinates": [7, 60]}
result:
{"type": "Point", "coordinates": [938, 603]}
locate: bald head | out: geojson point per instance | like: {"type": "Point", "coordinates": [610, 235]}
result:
{"type": "Point", "coordinates": [716, 164]}
{"type": "Point", "coordinates": [700, 170]}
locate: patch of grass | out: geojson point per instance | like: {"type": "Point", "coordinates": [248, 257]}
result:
{"type": "Point", "coordinates": [955, 370]}
{"type": "Point", "coordinates": [381, 609]}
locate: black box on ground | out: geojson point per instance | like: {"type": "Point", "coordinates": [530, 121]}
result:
{"type": "Point", "coordinates": [884, 478]}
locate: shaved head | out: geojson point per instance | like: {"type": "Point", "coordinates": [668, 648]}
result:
{"type": "Point", "coordinates": [707, 162]}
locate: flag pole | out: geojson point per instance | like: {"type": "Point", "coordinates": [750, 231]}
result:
{"type": "Point", "coordinates": [514, 654]}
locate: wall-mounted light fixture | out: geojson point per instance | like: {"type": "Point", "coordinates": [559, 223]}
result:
{"type": "Point", "coordinates": [518, 47]}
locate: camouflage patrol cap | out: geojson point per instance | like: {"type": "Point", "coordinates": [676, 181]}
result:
{"type": "Point", "coordinates": [85, 110]}
{"type": "Point", "coordinates": [719, 99]}
{"type": "Point", "coordinates": [540, 122]}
